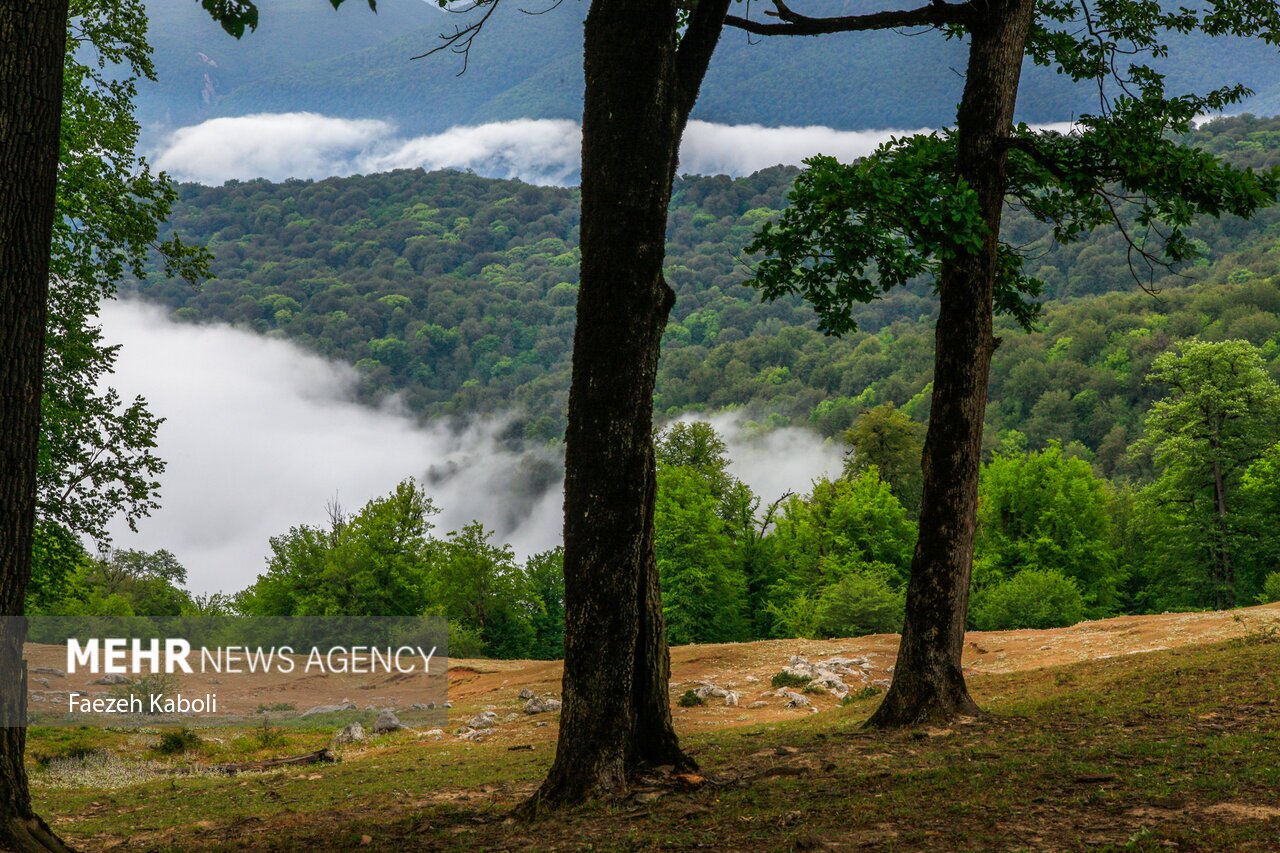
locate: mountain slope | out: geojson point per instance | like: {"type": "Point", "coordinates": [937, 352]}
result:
{"type": "Point", "coordinates": [353, 64]}
{"type": "Point", "coordinates": [457, 293]}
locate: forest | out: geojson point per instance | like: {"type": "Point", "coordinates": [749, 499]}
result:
{"type": "Point", "coordinates": [457, 293]}
{"type": "Point", "coordinates": [1049, 355]}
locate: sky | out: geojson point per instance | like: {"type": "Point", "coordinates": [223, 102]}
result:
{"type": "Point", "coordinates": [261, 435]}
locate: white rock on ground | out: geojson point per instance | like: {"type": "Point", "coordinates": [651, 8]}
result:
{"type": "Point", "coordinates": [351, 733]}
{"type": "Point", "coordinates": [483, 720]}
{"type": "Point", "coordinates": [541, 705]}
{"type": "Point", "coordinates": [387, 722]}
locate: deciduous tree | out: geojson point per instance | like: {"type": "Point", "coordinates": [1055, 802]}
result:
{"type": "Point", "coordinates": [933, 204]}
{"type": "Point", "coordinates": [1221, 414]}
{"type": "Point", "coordinates": [33, 36]}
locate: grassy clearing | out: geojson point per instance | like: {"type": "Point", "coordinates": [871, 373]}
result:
{"type": "Point", "coordinates": [1177, 749]}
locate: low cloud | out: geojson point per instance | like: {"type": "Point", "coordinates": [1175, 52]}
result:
{"type": "Point", "coordinates": [275, 146]}
{"type": "Point", "coordinates": [260, 435]}
{"type": "Point", "coordinates": [538, 151]}
{"type": "Point", "coordinates": [722, 149]}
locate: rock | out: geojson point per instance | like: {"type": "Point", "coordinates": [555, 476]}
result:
{"type": "Point", "coordinates": [758, 704]}
{"type": "Point", "coordinates": [843, 666]}
{"type": "Point", "coordinates": [419, 706]}
{"type": "Point", "coordinates": [731, 699]}
{"type": "Point", "coordinates": [48, 670]}
{"type": "Point", "coordinates": [542, 705]}
{"type": "Point", "coordinates": [114, 678]}
{"type": "Point", "coordinates": [804, 671]}
{"type": "Point", "coordinates": [710, 690]}
{"type": "Point", "coordinates": [795, 700]}
{"type": "Point", "coordinates": [351, 733]}
{"type": "Point", "coordinates": [830, 681]}
{"type": "Point", "coordinates": [434, 734]}
{"type": "Point", "coordinates": [525, 694]}
{"type": "Point", "coordinates": [510, 718]}
{"type": "Point", "coordinates": [43, 682]}
{"type": "Point", "coordinates": [328, 709]}
{"type": "Point", "coordinates": [483, 720]}
{"type": "Point", "coordinates": [387, 722]}
{"type": "Point", "coordinates": [474, 734]}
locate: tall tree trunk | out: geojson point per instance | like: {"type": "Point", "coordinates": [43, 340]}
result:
{"type": "Point", "coordinates": [928, 682]}
{"type": "Point", "coordinates": [641, 81]}
{"type": "Point", "coordinates": [32, 43]}
{"type": "Point", "coordinates": [615, 647]}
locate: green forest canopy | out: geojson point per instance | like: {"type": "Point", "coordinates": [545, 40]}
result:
{"type": "Point", "coordinates": [457, 292]}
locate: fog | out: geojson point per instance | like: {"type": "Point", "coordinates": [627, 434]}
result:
{"type": "Point", "coordinates": [540, 151]}
{"type": "Point", "coordinates": [260, 435]}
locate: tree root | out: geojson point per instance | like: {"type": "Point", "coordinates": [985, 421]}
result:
{"type": "Point", "coordinates": [30, 835]}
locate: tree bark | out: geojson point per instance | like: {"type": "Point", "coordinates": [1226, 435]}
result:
{"type": "Point", "coordinates": [32, 44]}
{"type": "Point", "coordinates": [641, 80]}
{"type": "Point", "coordinates": [928, 684]}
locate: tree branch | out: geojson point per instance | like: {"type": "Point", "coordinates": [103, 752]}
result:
{"type": "Point", "coordinates": [1029, 147]}
{"type": "Point", "coordinates": [462, 38]}
{"type": "Point", "coordinates": [706, 22]}
{"type": "Point", "coordinates": [792, 23]}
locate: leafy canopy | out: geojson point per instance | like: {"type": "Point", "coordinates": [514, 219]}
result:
{"type": "Point", "coordinates": [96, 451]}
{"type": "Point", "coordinates": [854, 231]}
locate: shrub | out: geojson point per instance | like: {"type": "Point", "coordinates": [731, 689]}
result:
{"type": "Point", "coordinates": [146, 687]}
{"type": "Point", "coordinates": [268, 735]}
{"type": "Point", "coordinates": [1034, 598]}
{"type": "Point", "coordinates": [1270, 589]}
{"type": "Point", "coordinates": [177, 741]}
{"type": "Point", "coordinates": [859, 603]}
{"type": "Point", "coordinates": [790, 679]}
{"type": "Point", "coordinates": [865, 693]}
{"type": "Point", "coordinates": [276, 707]}
{"type": "Point", "coordinates": [690, 700]}
{"type": "Point", "coordinates": [465, 642]}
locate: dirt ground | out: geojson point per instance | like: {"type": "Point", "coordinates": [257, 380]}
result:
{"type": "Point", "coordinates": [745, 668]}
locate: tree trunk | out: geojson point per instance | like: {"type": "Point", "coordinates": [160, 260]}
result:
{"type": "Point", "coordinates": [641, 81]}
{"type": "Point", "coordinates": [928, 682]}
{"type": "Point", "coordinates": [615, 647]}
{"type": "Point", "coordinates": [32, 43]}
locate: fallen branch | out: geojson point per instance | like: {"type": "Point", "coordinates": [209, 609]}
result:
{"type": "Point", "coordinates": [320, 757]}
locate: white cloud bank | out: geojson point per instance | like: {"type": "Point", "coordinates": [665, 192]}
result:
{"type": "Point", "coordinates": [269, 145]}
{"type": "Point", "coordinates": [260, 435]}
{"type": "Point", "coordinates": [541, 151]}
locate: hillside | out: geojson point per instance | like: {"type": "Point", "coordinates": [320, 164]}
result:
{"type": "Point", "coordinates": [457, 293]}
{"type": "Point", "coordinates": [352, 64]}
{"type": "Point", "coordinates": [1135, 733]}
